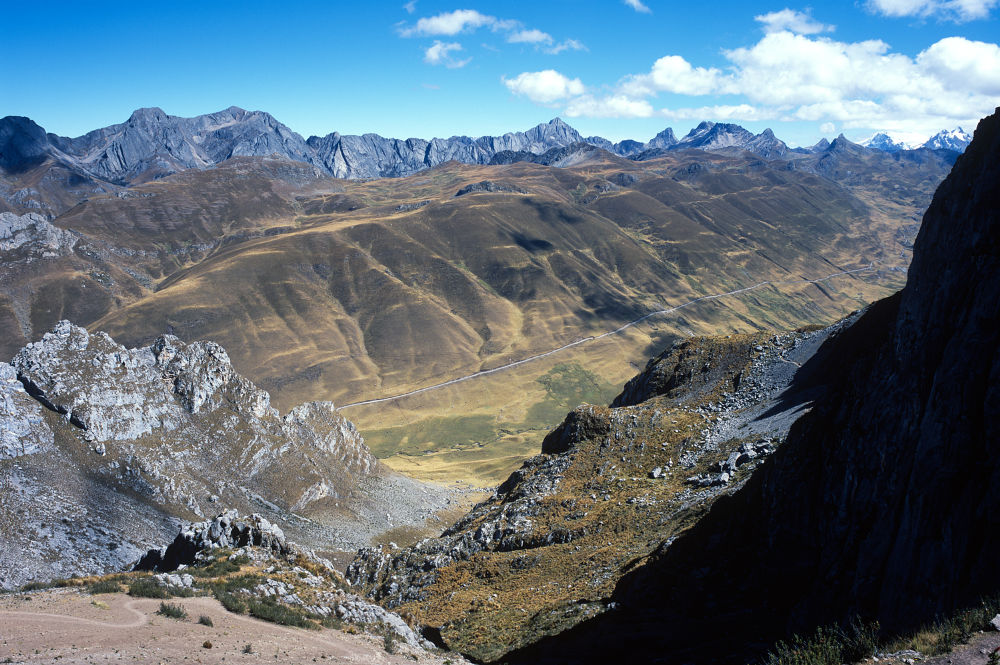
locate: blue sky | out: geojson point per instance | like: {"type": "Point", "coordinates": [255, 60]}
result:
{"type": "Point", "coordinates": [618, 68]}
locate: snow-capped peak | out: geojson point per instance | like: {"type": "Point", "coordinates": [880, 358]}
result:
{"type": "Point", "coordinates": [955, 139]}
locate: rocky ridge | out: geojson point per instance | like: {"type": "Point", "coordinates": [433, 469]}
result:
{"type": "Point", "coordinates": [165, 431]}
{"type": "Point", "coordinates": [247, 560]}
{"type": "Point", "coordinates": [546, 550]}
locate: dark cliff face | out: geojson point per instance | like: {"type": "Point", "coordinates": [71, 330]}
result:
{"type": "Point", "coordinates": [885, 499]}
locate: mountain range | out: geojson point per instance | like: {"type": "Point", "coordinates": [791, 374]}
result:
{"type": "Point", "coordinates": [152, 144]}
{"type": "Point", "coordinates": [815, 461]}
{"type": "Point", "coordinates": [955, 139]}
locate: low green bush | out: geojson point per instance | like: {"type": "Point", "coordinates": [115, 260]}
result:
{"type": "Point", "coordinates": [172, 610]}
{"type": "Point", "coordinates": [146, 587]}
{"type": "Point", "coordinates": [104, 586]}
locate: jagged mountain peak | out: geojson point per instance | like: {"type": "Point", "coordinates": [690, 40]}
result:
{"type": "Point", "coordinates": [956, 139]}
{"type": "Point", "coordinates": [664, 139]}
{"type": "Point", "coordinates": [882, 141]}
{"type": "Point", "coordinates": [148, 114]}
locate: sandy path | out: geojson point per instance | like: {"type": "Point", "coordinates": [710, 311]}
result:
{"type": "Point", "coordinates": [65, 626]}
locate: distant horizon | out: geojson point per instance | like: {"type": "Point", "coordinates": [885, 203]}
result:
{"type": "Point", "coordinates": [910, 143]}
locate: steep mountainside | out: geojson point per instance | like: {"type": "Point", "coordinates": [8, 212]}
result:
{"type": "Point", "coordinates": [547, 550]}
{"type": "Point", "coordinates": [131, 439]}
{"type": "Point", "coordinates": [876, 495]}
{"type": "Point", "coordinates": [882, 502]}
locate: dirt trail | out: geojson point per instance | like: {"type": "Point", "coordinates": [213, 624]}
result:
{"type": "Point", "coordinates": [67, 626]}
{"type": "Point", "coordinates": [616, 331]}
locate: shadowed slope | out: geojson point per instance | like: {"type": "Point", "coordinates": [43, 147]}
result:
{"type": "Point", "coordinates": [883, 500]}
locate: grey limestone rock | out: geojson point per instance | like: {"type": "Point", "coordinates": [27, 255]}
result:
{"type": "Point", "coordinates": [33, 234]}
{"type": "Point", "coordinates": [227, 529]}
{"type": "Point", "coordinates": [23, 429]}
{"type": "Point", "coordinates": [218, 428]}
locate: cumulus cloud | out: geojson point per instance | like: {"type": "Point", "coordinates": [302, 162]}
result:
{"type": "Point", "coordinates": [410, 6]}
{"type": "Point", "coordinates": [952, 10]}
{"type": "Point", "coordinates": [529, 37]}
{"type": "Point", "coordinates": [638, 6]}
{"type": "Point", "coordinates": [450, 23]}
{"type": "Point", "coordinates": [961, 64]}
{"type": "Point", "coordinates": [440, 53]}
{"type": "Point", "coordinates": [792, 21]}
{"type": "Point", "coordinates": [789, 76]}
{"type": "Point", "coordinates": [672, 73]}
{"type": "Point", "coordinates": [566, 45]}
{"type": "Point", "coordinates": [544, 87]}
{"type": "Point", "coordinates": [828, 128]}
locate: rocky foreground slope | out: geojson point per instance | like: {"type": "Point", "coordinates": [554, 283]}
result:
{"type": "Point", "coordinates": [104, 448]}
{"type": "Point", "coordinates": [547, 550]}
{"type": "Point", "coordinates": [740, 489]}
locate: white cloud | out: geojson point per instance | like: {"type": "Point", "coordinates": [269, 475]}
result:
{"type": "Point", "coordinates": [611, 106]}
{"type": "Point", "coordinates": [566, 45]}
{"type": "Point", "coordinates": [827, 128]}
{"type": "Point", "coordinates": [529, 37]}
{"type": "Point", "coordinates": [440, 53]}
{"type": "Point", "coordinates": [792, 21]}
{"type": "Point", "coordinates": [450, 23]}
{"type": "Point", "coordinates": [410, 6]}
{"type": "Point", "coordinates": [722, 112]}
{"type": "Point", "coordinates": [544, 87]}
{"type": "Point", "coordinates": [964, 65]}
{"type": "Point", "coordinates": [952, 10]}
{"type": "Point", "coordinates": [795, 77]}
{"type": "Point", "coordinates": [638, 6]}
{"type": "Point", "coordinates": [672, 73]}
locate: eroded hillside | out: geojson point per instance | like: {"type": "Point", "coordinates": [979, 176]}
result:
{"type": "Point", "coordinates": [353, 291]}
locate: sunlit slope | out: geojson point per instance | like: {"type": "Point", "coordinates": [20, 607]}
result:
{"type": "Point", "coordinates": [129, 242]}
{"type": "Point", "coordinates": [395, 284]}
{"type": "Point", "coordinates": [349, 291]}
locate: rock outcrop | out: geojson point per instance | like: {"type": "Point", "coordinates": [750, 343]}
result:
{"type": "Point", "coordinates": [32, 235]}
{"type": "Point", "coordinates": [177, 392]}
{"type": "Point", "coordinates": [227, 529]}
{"type": "Point", "coordinates": [23, 430]}
{"type": "Point", "coordinates": [103, 447]}
{"type": "Point", "coordinates": [295, 578]}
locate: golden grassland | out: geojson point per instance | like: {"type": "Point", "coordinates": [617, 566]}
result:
{"type": "Point", "coordinates": [348, 291]}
